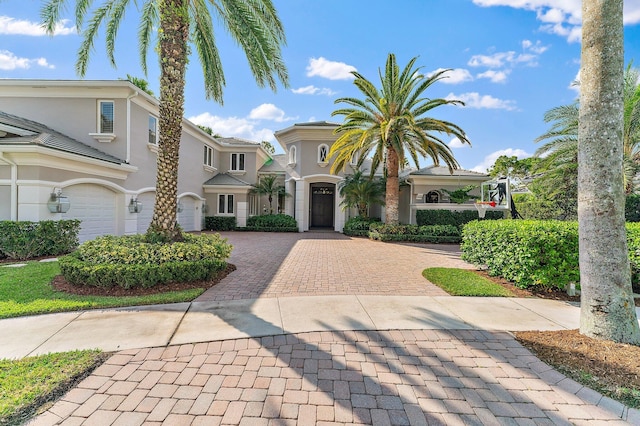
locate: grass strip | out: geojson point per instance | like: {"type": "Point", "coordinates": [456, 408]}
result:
{"type": "Point", "coordinates": [29, 383]}
{"type": "Point", "coordinates": [26, 290]}
{"type": "Point", "coordinates": [463, 282]}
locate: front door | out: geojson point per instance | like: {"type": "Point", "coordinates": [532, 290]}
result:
{"type": "Point", "coordinates": [322, 205]}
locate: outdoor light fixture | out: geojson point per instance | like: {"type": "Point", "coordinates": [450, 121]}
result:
{"type": "Point", "coordinates": [135, 206]}
{"type": "Point", "coordinates": [58, 203]}
{"type": "Point", "coordinates": [180, 207]}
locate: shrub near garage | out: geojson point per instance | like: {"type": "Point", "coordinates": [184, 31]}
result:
{"type": "Point", "coordinates": [25, 240]}
{"type": "Point", "coordinates": [359, 226]}
{"type": "Point", "coordinates": [272, 223]}
{"type": "Point", "coordinates": [130, 262]}
{"type": "Point", "coordinates": [415, 233]}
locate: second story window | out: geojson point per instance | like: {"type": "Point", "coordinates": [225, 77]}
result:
{"type": "Point", "coordinates": [323, 153]}
{"type": "Point", "coordinates": [208, 156]}
{"type": "Point", "coordinates": [105, 123]}
{"type": "Point", "coordinates": [237, 162]}
{"type": "Point", "coordinates": [153, 130]}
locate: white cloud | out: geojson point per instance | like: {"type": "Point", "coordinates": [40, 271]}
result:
{"type": "Point", "coordinates": [454, 76]}
{"type": "Point", "coordinates": [332, 70]}
{"type": "Point", "coordinates": [477, 101]}
{"type": "Point", "coordinates": [536, 47]}
{"type": "Point", "coordinates": [455, 143]}
{"type": "Point", "coordinates": [575, 84]}
{"type": "Point", "coordinates": [501, 59]}
{"type": "Point", "coordinates": [233, 127]}
{"type": "Point", "coordinates": [495, 76]}
{"type": "Point", "coordinates": [12, 26]}
{"type": "Point", "coordinates": [269, 112]}
{"type": "Point", "coordinates": [313, 90]}
{"type": "Point", "coordinates": [490, 159]}
{"type": "Point", "coordinates": [9, 62]}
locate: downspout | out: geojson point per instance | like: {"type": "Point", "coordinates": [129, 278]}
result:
{"type": "Point", "coordinates": [14, 186]}
{"type": "Point", "coordinates": [128, 158]}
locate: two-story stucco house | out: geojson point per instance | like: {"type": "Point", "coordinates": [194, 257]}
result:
{"type": "Point", "coordinates": [93, 145]}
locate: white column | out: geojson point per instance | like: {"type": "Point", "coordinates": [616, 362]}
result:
{"type": "Point", "coordinates": [302, 203]}
{"type": "Point", "coordinates": [241, 215]}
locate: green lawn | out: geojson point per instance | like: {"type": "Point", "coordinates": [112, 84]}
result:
{"type": "Point", "coordinates": [462, 282]}
{"type": "Point", "coordinates": [28, 383]}
{"type": "Point", "coordinates": [27, 291]}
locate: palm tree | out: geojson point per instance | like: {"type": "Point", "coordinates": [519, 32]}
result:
{"type": "Point", "coordinates": [391, 123]}
{"type": "Point", "coordinates": [270, 186]}
{"type": "Point", "coordinates": [607, 310]}
{"type": "Point", "coordinates": [181, 24]}
{"type": "Point", "coordinates": [358, 190]}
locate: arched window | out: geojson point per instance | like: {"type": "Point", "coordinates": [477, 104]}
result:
{"type": "Point", "coordinates": [323, 153]}
{"type": "Point", "coordinates": [432, 197]}
{"type": "Point", "coordinates": [292, 155]}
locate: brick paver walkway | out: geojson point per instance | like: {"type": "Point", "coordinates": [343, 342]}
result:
{"type": "Point", "coordinates": [334, 378]}
{"type": "Point", "coordinates": [328, 263]}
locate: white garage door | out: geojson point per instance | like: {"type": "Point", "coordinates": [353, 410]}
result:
{"type": "Point", "coordinates": [186, 218]}
{"type": "Point", "coordinates": [95, 206]}
{"type": "Point", "coordinates": [148, 200]}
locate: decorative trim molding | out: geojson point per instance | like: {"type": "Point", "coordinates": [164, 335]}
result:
{"type": "Point", "coordinates": [103, 137]}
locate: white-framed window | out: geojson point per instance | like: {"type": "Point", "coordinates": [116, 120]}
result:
{"type": "Point", "coordinates": [237, 162]}
{"type": "Point", "coordinates": [208, 156]}
{"type": "Point", "coordinates": [292, 155]}
{"type": "Point", "coordinates": [323, 153]}
{"type": "Point", "coordinates": [225, 204]}
{"type": "Point", "coordinates": [106, 115]}
{"type": "Point", "coordinates": [153, 130]}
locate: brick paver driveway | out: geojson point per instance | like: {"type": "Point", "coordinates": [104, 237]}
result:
{"type": "Point", "coordinates": [328, 263]}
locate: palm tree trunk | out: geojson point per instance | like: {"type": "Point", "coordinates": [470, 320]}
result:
{"type": "Point", "coordinates": [607, 307]}
{"type": "Point", "coordinates": [393, 188]}
{"type": "Point", "coordinates": [173, 34]}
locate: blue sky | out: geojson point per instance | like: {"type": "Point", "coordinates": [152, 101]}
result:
{"type": "Point", "coordinates": [512, 60]}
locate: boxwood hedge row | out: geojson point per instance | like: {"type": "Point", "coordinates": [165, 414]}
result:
{"type": "Point", "coordinates": [25, 240]}
{"type": "Point", "coordinates": [530, 252]}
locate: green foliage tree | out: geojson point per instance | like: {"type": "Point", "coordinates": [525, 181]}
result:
{"type": "Point", "coordinates": [390, 123]}
{"type": "Point", "coordinates": [141, 84]}
{"type": "Point", "coordinates": [607, 310]}
{"type": "Point", "coordinates": [253, 24]}
{"type": "Point", "coordinates": [461, 195]}
{"type": "Point", "coordinates": [360, 191]}
{"type": "Point", "coordinates": [271, 187]}
{"type": "Point", "coordinates": [268, 146]}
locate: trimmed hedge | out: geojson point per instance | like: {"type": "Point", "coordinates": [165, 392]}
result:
{"type": "Point", "coordinates": [272, 223]}
{"type": "Point", "coordinates": [455, 218]}
{"type": "Point", "coordinates": [633, 244]}
{"type": "Point", "coordinates": [219, 223]}
{"type": "Point", "coordinates": [130, 262]}
{"type": "Point", "coordinates": [359, 226]}
{"type": "Point", "coordinates": [415, 233]}
{"type": "Point", "coordinates": [26, 240]}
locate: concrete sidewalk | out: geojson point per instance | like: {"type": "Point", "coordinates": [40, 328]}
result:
{"type": "Point", "coordinates": [174, 324]}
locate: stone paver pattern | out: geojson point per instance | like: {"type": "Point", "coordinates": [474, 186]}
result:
{"type": "Point", "coordinates": [328, 263]}
{"type": "Point", "coordinates": [410, 377]}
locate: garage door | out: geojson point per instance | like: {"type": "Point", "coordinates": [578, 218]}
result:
{"type": "Point", "coordinates": [186, 218]}
{"type": "Point", "coordinates": [148, 200]}
{"type": "Point", "coordinates": [95, 206]}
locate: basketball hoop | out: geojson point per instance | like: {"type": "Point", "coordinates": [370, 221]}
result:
{"type": "Point", "coordinates": [482, 207]}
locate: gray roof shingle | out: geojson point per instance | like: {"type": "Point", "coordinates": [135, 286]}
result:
{"type": "Point", "coordinates": [226, 179]}
{"type": "Point", "coordinates": [444, 171]}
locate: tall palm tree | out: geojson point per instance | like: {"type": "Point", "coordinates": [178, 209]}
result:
{"type": "Point", "coordinates": [254, 24]}
{"type": "Point", "coordinates": [360, 191]}
{"type": "Point", "coordinates": [270, 186]}
{"type": "Point", "coordinates": [391, 123]}
{"type": "Point", "coordinates": [607, 310]}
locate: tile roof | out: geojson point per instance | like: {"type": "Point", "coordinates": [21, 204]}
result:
{"type": "Point", "coordinates": [28, 132]}
{"type": "Point", "coordinates": [226, 179]}
{"type": "Point", "coordinates": [444, 171]}
{"type": "Point", "coordinates": [278, 165]}
{"type": "Point", "coordinates": [237, 141]}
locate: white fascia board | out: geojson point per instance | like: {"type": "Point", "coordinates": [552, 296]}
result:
{"type": "Point", "coordinates": [232, 189]}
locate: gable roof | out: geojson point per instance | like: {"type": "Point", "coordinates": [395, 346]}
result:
{"type": "Point", "coordinates": [226, 179]}
{"type": "Point", "coordinates": [237, 142]}
{"type": "Point", "coordinates": [21, 131]}
{"type": "Point", "coordinates": [277, 165]}
{"type": "Point", "coordinates": [442, 171]}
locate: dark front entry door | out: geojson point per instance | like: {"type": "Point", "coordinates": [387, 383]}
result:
{"type": "Point", "coordinates": [322, 205]}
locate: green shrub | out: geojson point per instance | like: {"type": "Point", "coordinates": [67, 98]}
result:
{"type": "Point", "coordinates": [633, 243]}
{"type": "Point", "coordinates": [632, 208]}
{"type": "Point", "coordinates": [525, 252]}
{"type": "Point", "coordinates": [455, 218]}
{"type": "Point", "coordinates": [415, 233]}
{"type": "Point", "coordinates": [272, 223]}
{"type": "Point", "coordinates": [130, 262]}
{"type": "Point", "coordinates": [219, 223]}
{"type": "Point", "coordinates": [358, 226]}
{"type": "Point", "coordinates": [25, 240]}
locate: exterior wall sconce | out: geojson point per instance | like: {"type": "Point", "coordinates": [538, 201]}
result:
{"type": "Point", "coordinates": [135, 206]}
{"type": "Point", "coordinates": [180, 207]}
{"type": "Point", "coordinates": [58, 203]}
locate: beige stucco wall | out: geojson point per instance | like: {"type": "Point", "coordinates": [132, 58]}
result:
{"type": "Point", "coordinates": [74, 117]}
{"type": "Point", "coordinates": [5, 171]}
{"type": "Point", "coordinates": [57, 175]}
{"type": "Point", "coordinates": [251, 166]}
{"type": "Point", "coordinates": [5, 202]}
